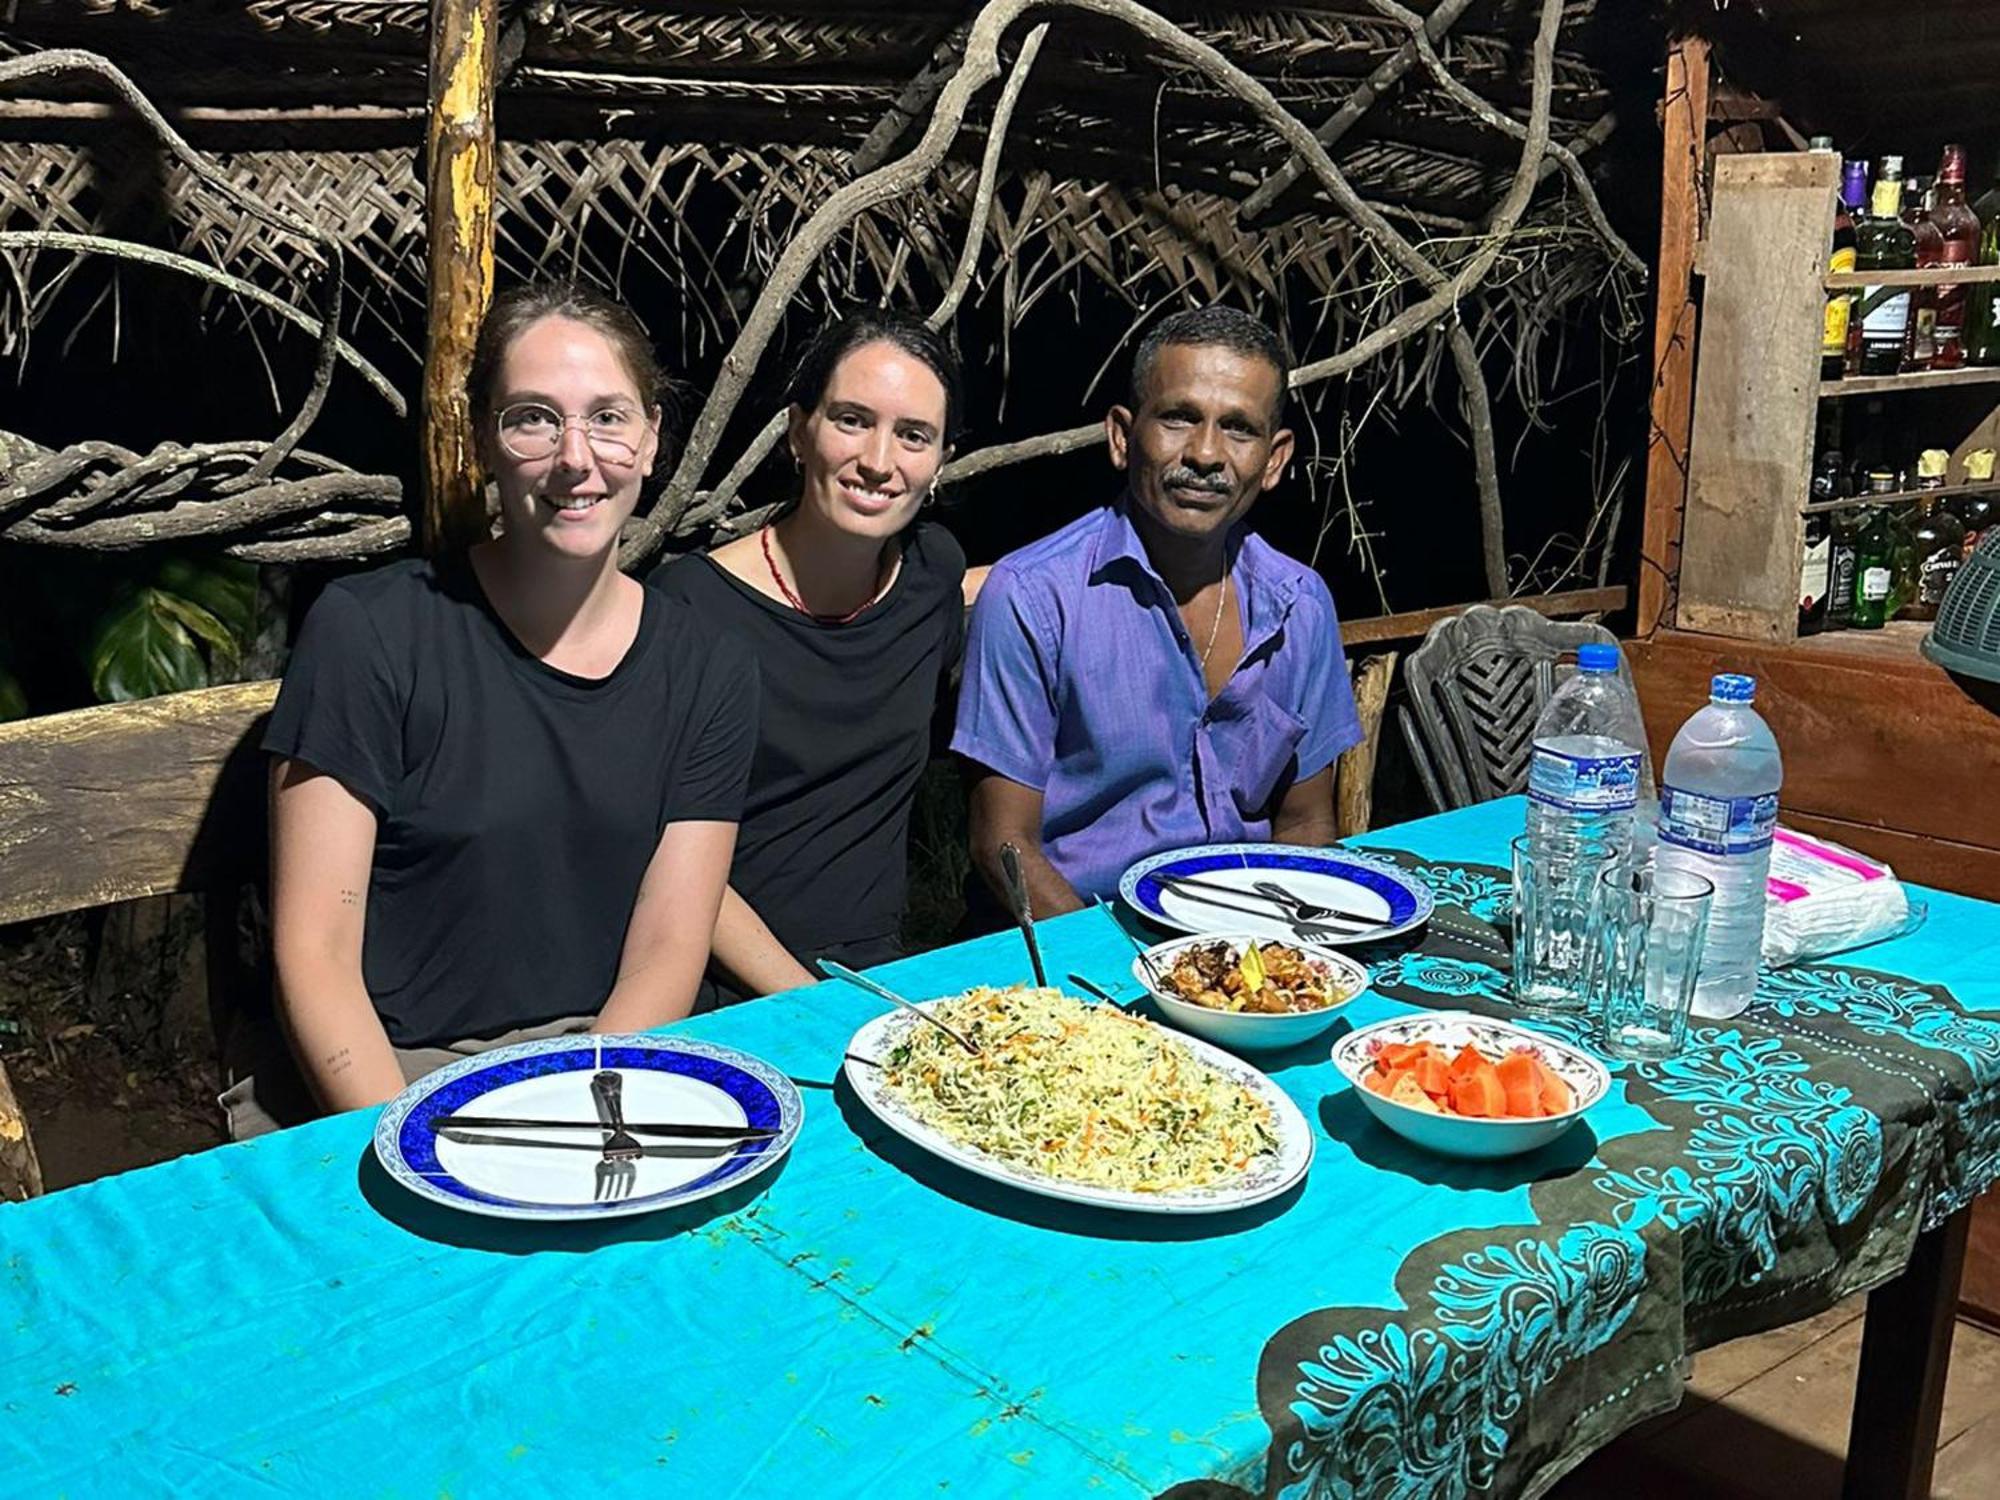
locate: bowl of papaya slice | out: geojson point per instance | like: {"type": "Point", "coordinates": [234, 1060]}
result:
{"type": "Point", "coordinates": [1469, 1086]}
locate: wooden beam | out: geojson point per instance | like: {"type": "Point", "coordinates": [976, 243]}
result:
{"type": "Point", "coordinates": [1684, 124]}
{"type": "Point", "coordinates": [1417, 622]}
{"type": "Point", "coordinates": [131, 799]}
{"type": "Point", "coordinates": [1750, 452]}
{"type": "Point", "coordinates": [459, 152]}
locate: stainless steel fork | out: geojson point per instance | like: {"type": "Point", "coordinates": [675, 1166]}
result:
{"type": "Point", "coordinates": [617, 1172]}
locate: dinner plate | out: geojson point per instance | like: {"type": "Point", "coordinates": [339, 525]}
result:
{"type": "Point", "coordinates": [672, 1079]}
{"type": "Point", "coordinates": [1267, 1178]}
{"type": "Point", "coordinates": [1391, 900]}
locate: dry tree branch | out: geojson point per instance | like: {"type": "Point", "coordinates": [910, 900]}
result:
{"type": "Point", "coordinates": [989, 176]}
{"type": "Point", "coordinates": [842, 206]}
{"type": "Point", "coordinates": [1497, 119]}
{"type": "Point", "coordinates": [60, 61]}
{"type": "Point", "coordinates": [1445, 290]}
{"type": "Point", "coordinates": [919, 91]}
{"type": "Point", "coordinates": [188, 519]}
{"type": "Point", "coordinates": [709, 504]}
{"type": "Point", "coordinates": [58, 239]}
{"type": "Point", "coordinates": [1352, 109]}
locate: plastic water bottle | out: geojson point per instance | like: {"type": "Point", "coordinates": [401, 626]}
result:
{"type": "Point", "coordinates": [1718, 807]}
{"type": "Point", "coordinates": [1589, 774]}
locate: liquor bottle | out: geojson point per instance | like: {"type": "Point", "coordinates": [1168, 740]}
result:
{"type": "Point", "coordinates": [1843, 573]}
{"type": "Point", "coordinates": [1958, 233]}
{"type": "Point", "coordinates": [1816, 565]}
{"type": "Point", "coordinates": [1875, 560]}
{"type": "Point", "coordinates": [1840, 304]}
{"type": "Point", "coordinates": [1936, 538]}
{"type": "Point", "coordinates": [1979, 511]}
{"type": "Point", "coordinates": [1920, 350]}
{"type": "Point", "coordinates": [1882, 242]}
{"type": "Point", "coordinates": [1982, 331]}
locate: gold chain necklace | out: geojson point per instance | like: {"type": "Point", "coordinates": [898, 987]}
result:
{"type": "Point", "coordinates": [1215, 630]}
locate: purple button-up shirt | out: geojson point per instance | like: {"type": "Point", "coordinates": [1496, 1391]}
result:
{"type": "Point", "coordinates": [1081, 682]}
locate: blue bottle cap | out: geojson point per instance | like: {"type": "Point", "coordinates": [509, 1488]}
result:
{"type": "Point", "coordinates": [1597, 657]}
{"type": "Point", "coordinates": [1732, 687]}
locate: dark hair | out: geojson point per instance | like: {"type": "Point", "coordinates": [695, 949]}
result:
{"type": "Point", "coordinates": [878, 325]}
{"type": "Point", "coordinates": [1211, 327]}
{"type": "Point", "coordinates": [515, 311]}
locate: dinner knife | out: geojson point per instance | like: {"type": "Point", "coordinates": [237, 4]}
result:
{"type": "Point", "coordinates": [1346, 923]}
{"type": "Point", "coordinates": [685, 1132]}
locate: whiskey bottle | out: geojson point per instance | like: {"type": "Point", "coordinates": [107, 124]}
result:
{"type": "Point", "coordinates": [1882, 242]}
{"type": "Point", "coordinates": [1957, 227]}
{"type": "Point", "coordinates": [1936, 538]}
{"type": "Point", "coordinates": [1979, 511]}
{"type": "Point", "coordinates": [1921, 349]}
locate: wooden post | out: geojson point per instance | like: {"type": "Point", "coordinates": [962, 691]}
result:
{"type": "Point", "coordinates": [1354, 782]}
{"type": "Point", "coordinates": [1742, 532]}
{"type": "Point", "coordinates": [20, 1172]}
{"type": "Point", "coordinates": [460, 153]}
{"type": "Point", "coordinates": [1684, 126]}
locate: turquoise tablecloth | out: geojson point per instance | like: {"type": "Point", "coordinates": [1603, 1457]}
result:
{"type": "Point", "coordinates": [276, 1318]}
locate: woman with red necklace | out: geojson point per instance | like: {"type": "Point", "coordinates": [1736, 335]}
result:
{"type": "Point", "coordinates": [852, 606]}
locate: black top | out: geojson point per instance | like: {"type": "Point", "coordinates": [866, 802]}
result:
{"type": "Point", "coordinates": [845, 729]}
{"type": "Point", "coordinates": [517, 805]}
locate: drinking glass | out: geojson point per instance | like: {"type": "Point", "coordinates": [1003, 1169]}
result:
{"type": "Point", "coordinates": [1553, 888]}
{"type": "Point", "coordinates": [1648, 926]}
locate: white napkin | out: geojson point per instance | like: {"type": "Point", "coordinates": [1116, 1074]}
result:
{"type": "Point", "coordinates": [1823, 898]}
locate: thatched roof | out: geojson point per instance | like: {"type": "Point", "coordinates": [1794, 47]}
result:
{"type": "Point", "coordinates": [643, 120]}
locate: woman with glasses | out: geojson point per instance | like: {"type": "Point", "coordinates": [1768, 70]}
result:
{"type": "Point", "coordinates": [852, 606]}
{"type": "Point", "coordinates": [507, 780]}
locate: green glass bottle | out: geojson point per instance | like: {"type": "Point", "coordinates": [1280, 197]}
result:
{"type": "Point", "coordinates": [1982, 324]}
{"type": "Point", "coordinates": [1875, 560]}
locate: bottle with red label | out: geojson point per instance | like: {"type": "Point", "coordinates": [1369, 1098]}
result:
{"type": "Point", "coordinates": [1957, 230]}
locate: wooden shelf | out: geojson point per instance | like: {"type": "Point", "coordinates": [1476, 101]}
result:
{"type": "Point", "coordinates": [1922, 380]}
{"type": "Point", "coordinates": [1848, 281]}
{"type": "Point", "coordinates": [1899, 497]}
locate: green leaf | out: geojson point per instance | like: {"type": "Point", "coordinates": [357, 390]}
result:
{"type": "Point", "coordinates": [13, 701]}
{"type": "Point", "coordinates": [144, 648]}
{"type": "Point", "coordinates": [224, 586]}
{"type": "Point", "coordinates": [222, 646]}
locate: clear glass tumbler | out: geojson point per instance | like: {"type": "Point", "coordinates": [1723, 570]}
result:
{"type": "Point", "coordinates": [1647, 929]}
{"type": "Point", "coordinates": [1553, 889]}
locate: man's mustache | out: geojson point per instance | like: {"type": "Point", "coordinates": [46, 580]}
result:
{"type": "Point", "coordinates": [1179, 477]}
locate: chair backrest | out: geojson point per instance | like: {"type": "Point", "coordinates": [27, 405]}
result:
{"type": "Point", "coordinates": [1476, 686]}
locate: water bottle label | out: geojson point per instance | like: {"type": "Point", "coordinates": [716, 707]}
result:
{"type": "Point", "coordinates": [1717, 825]}
{"type": "Point", "coordinates": [1584, 783]}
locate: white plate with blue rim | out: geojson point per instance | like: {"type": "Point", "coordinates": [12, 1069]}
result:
{"type": "Point", "coordinates": [663, 1079]}
{"type": "Point", "coordinates": [1213, 888]}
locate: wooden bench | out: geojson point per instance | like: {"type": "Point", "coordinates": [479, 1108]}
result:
{"type": "Point", "coordinates": [132, 799]}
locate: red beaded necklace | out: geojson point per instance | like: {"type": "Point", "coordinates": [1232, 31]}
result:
{"type": "Point", "coordinates": [799, 604]}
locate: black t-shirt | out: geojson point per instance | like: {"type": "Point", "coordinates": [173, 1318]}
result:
{"type": "Point", "coordinates": [517, 805]}
{"type": "Point", "coordinates": [845, 729]}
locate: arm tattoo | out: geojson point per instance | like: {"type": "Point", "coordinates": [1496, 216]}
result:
{"type": "Point", "coordinates": [350, 898]}
{"type": "Point", "coordinates": [339, 1062]}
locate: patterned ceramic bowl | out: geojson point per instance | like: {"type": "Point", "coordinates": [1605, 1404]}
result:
{"type": "Point", "coordinates": [1455, 1135]}
{"type": "Point", "coordinates": [1243, 1031]}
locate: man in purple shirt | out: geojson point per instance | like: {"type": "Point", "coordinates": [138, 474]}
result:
{"type": "Point", "coordinates": [1151, 676]}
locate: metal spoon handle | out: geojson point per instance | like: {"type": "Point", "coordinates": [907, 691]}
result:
{"type": "Point", "coordinates": [840, 971]}
{"type": "Point", "coordinates": [1024, 913]}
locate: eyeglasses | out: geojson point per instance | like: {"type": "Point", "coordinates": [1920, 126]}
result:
{"type": "Point", "coordinates": [531, 431]}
